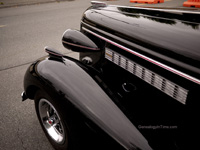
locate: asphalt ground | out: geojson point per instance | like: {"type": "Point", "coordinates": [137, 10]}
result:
{"type": "Point", "coordinates": [16, 3]}
{"type": "Point", "coordinates": [167, 3]}
{"type": "Point", "coordinates": [24, 31]}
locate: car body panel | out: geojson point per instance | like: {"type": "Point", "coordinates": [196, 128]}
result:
{"type": "Point", "coordinates": [74, 81]}
{"type": "Point", "coordinates": [142, 85]}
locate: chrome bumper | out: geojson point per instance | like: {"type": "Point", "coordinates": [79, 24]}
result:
{"type": "Point", "coordinates": [23, 95]}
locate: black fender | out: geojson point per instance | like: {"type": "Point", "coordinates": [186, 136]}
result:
{"type": "Point", "coordinates": [83, 88]}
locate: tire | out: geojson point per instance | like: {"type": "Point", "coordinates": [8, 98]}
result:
{"type": "Point", "coordinates": [52, 119]}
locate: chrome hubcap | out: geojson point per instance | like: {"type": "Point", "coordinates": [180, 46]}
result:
{"type": "Point", "coordinates": [51, 121]}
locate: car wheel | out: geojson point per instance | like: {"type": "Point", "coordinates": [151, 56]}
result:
{"type": "Point", "coordinates": [51, 118]}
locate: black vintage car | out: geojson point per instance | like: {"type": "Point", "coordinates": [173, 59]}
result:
{"type": "Point", "coordinates": [135, 87]}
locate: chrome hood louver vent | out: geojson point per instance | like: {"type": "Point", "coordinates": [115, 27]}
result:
{"type": "Point", "coordinates": [168, 87]}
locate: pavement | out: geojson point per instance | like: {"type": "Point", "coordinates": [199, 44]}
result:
{"type": "Point", "coordinates": [16, 3]}
{"type": "Point", "coordinates": [24, 32]}
{"type": "Point", "coordinates": [167, 3]}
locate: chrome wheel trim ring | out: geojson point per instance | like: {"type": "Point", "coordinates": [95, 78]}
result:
{"type": "Point", "coordinates": [51, 121]}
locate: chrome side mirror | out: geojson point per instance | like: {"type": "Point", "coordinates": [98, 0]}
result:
{"type": "Point", "coordinates": [78, 42]}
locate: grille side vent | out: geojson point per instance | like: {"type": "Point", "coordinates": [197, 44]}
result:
{"type": "Point", "coordinates": [166, 86]}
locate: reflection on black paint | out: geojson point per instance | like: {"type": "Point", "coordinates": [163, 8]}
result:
{"type": "Point", "coordinates": [160, 16]}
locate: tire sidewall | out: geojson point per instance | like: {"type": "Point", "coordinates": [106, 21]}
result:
{"type": "Point", "coordinates": [59, 106]}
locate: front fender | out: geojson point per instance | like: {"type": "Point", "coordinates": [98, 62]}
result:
{"type": "Point", "coordinates": [82, 87]}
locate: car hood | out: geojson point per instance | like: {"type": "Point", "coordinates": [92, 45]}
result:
{"type": "Point", "coordinates": [170, 36]}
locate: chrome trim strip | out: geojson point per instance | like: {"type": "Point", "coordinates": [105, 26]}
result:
{"type": "Point", "coordinates": [175, 71]}
{"type": "Point", "coordinates": [166, 86]}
